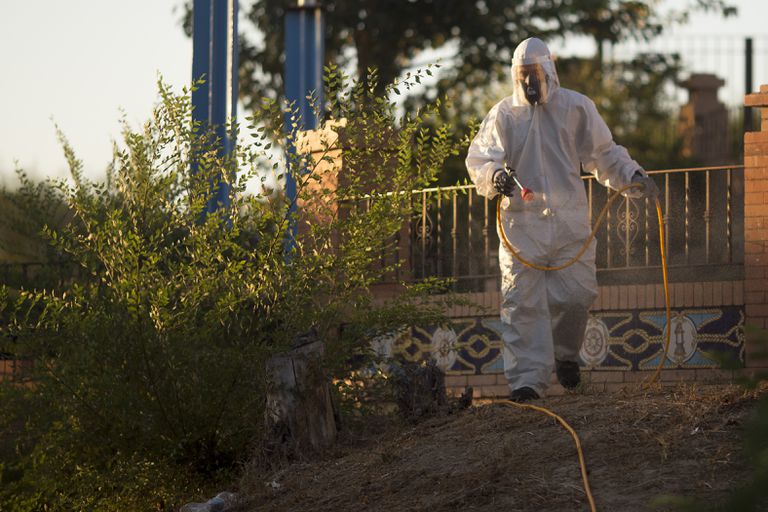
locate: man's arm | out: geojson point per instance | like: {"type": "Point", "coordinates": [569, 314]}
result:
{"type": "Point", "coordinates": [609, 162]}
{"type": "Point", "coordinates": [486, 154]}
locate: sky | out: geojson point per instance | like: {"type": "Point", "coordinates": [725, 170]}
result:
{"type": "Point", "coordinates": [83, 64]}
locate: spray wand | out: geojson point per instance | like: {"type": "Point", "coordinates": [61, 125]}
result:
{"type": "Point", "coordinates": [527, 194]}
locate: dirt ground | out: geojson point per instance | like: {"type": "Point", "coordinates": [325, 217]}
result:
{"type": "Point", "coordinates": [638, 445]}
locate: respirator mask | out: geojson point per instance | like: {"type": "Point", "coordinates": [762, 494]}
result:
{"type": "Point", "coordinates": [532, 83]}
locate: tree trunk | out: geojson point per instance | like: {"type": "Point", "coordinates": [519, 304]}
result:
{"type": "Point", "coordinates": [299, 413]}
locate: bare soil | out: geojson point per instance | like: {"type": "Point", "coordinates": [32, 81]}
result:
{"type": "Point", "coordinates": [638, 445]}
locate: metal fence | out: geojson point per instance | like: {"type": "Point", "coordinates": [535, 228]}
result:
{"type": "Point", "coordinates": [741, 61]}
{"type": "Point", "coordinates": [453, 234]}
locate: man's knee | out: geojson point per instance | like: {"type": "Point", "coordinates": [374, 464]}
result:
{"type": "Point", "coordinates": [577, 300]}
{"type": "Point", "coordinates": [513, 310]}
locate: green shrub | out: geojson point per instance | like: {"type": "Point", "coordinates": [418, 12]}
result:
{"type": "Point", "coordinates": [148, 374]}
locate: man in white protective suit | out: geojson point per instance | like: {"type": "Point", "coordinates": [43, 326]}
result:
{"type": "Point", "coordinates": [546, 134]}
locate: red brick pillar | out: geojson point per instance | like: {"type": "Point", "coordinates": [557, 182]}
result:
{"type": "Point", "coordinates": [756, 224]}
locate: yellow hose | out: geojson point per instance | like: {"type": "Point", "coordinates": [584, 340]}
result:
{"type": "Point", "coordinates": [566, 426]}
{"type": "Point", "coordinates": [655, 375]}
{"type": "Point", "coordinates": [663, 252]}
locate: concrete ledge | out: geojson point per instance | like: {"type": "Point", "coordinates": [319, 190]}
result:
{"type": "Point", "coordinates": [611, 381]}
{"type": "Point", "coordinates": [639, 296]}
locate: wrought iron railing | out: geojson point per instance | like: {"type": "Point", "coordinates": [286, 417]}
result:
{"type": "Point", "coordinates": [453, 233]}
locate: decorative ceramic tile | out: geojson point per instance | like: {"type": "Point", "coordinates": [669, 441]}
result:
{"type": "Point", "coordinates": [614, 340]}
{"type": "Point", "coordinates": [597, 338]}
{"type": "Point", "coordinates": [466, 347]}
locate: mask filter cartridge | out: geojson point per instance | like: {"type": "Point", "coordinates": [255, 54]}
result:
{"type": "Point", "coordinates": [532, 88]}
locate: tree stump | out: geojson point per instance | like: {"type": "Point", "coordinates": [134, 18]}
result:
{"type": "Point", "coordinates": [419, 389]}
{"type": "Point", "coordinates": [299, 413]}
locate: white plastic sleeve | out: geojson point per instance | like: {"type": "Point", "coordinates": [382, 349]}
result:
{"type": "Point", "coordinates": [486, 154]}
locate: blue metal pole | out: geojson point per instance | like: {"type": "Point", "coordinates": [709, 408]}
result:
{"type": "Point", "coordinates": [304, 57]}
{"type": "Point", "coordinates": [201, 48]}
{"type": "Point", "coordinates": [214, 58]}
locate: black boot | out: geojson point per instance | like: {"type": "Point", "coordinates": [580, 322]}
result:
{"type": "Point", "coordinates": [523, 394]}
{"type": "Point", "coordinates": [568, 373]}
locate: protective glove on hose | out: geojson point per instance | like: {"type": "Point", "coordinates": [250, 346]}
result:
{"type": "Point", "coordinates": [649, 189]}
{"type": "Point", "coordinates": [503, 182]}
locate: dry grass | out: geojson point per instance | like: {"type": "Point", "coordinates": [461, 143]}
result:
{"type": "Point", "coordinates": [638, 446]}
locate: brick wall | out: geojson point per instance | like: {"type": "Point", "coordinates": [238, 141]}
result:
{"type": "Point", "coordinates": [748, 298]}
{"type": "Point", "coordinates": [751, 293]}
{"type": "Point", "coordinates": [640, 298]}
{"type": "Point", "coordinates": [756, 224]}
{"type": "Point", "coordinates": [13, 370]}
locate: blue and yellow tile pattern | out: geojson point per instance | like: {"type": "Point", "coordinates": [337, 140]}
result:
{"type": "Point", "coordinates": [614, 340]}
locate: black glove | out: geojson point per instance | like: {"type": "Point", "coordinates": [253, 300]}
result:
{"type": "Point", "coordinates": [503, 182]}
{"type": "Point", "coordinates": [649, 189]}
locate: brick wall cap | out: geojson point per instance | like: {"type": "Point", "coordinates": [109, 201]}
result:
{"type": "Point", "coordinates": [755, 138]}
{"type": "Point", "coordinates": [757, 99]}
{"type": "Point", "coordinates": [703, 81]}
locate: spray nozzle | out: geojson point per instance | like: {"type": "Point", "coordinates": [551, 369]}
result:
{"type": "Point", "coordinates": [526, 193]}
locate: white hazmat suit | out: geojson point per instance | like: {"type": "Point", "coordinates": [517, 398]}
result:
{"type": "Point", "coordinates": [544, 313]}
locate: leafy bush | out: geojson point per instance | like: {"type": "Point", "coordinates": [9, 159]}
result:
{"type": "Point", "coordinates": [148, 374]}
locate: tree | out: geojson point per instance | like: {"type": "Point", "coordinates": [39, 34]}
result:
{"type": "Point", "coordinates": [477, 39]}
{"type": "Point", "coordinates": [478, 35]}
{"type": "Point", "coordinates": [633, 99]}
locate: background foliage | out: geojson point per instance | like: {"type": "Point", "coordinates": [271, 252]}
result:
{"type": "Point", "coordinates": [476, 41]}
{"type": "Point", "coordinates": [25, 257]}
{"type": "Point", "coordinates": [478, 37]}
